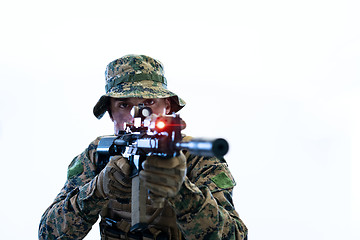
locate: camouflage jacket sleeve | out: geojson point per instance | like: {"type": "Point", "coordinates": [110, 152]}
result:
{"type": "Point", "coordinates": [76, 208]}
{"type": "Point", "coordinates": [204, 206]}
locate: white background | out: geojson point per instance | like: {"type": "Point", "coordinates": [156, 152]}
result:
{"type": "Point", "coordinates": [278, 79]}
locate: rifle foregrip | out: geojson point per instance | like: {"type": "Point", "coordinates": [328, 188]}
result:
{"type": "Point", "coordinates": [205, 147]}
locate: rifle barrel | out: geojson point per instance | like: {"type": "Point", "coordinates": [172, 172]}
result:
{"type": "Point", "coordinates": [204, 147]}
{"type": "Point", "coordinates": [214, 147]}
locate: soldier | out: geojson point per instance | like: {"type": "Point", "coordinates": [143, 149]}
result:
{"type": "Point", "coordinates": [198, 194]}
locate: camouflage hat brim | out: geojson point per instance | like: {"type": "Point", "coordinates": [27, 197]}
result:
{"type": "Point", "coordinates": [139, 89]}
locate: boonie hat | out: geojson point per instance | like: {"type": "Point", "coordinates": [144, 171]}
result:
{"type": "Point", "coordinates": [137, 76]}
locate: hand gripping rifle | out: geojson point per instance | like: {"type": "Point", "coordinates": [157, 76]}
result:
{"type": "Point", "coordinates": [161, 137]}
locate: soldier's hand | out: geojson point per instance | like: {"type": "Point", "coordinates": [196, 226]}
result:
{"type": "Point", "coordinates": [164, 177]}
{"type": "Point", "coordinates": [113, 181]}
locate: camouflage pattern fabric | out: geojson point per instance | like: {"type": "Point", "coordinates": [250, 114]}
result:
{"type": "Point", "coordinates": [203, 207]}
{"type": "Point", "coordinates": [136, 76]}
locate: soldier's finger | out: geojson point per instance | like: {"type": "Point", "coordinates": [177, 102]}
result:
{"type": "Point", "coordinates": [162, 191]}
{"type": "Point", "coordinates": [163, 162]}
{"type": "Point", "coordinates": [120, 178]}
{"type": "Point", "coordinates": [122, 164]}
{"type": "Point", "coordinates": [160, 179]}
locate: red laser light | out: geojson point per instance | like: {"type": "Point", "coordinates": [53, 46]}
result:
{"type": "Point", "coordinates": [160, 125]}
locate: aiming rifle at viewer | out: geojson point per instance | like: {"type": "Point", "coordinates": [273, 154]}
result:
{"type": "Point", "coordinates": [190, 196]}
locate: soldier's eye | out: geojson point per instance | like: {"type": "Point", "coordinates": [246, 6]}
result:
{"type": "Point", "coordinates": [149, 102]}
{"type": "Point", "coordinates": [123, 105]}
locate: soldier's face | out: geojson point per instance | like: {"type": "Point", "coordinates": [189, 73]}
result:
{"type": "Point", "coordinates": [120, 109]}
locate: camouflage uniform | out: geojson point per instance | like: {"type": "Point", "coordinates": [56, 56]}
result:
{"type": "Point", "coordinates": [203, 208]}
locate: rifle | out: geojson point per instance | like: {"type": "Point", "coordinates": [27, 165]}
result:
{"type": "Point", "coordinates": [142, 138]}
